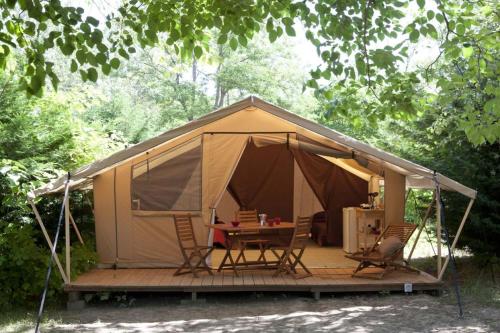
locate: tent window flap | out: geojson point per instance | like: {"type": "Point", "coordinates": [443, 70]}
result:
{"type": "Point", "coordinates": [170, 181]}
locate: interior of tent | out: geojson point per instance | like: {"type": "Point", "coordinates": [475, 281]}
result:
{"type": "Point", "coordinates": [286, 182]}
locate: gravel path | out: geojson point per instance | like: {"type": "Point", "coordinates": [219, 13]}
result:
{"type": "Point", "coordinates": [281, 313]}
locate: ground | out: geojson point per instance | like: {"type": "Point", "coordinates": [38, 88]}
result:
{"type": "Point", "coordinates": [273, 313]}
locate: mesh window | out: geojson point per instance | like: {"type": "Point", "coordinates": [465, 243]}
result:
{"type": "Point", "coordinates": [170, 181]}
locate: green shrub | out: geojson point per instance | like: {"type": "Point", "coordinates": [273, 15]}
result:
{"type": "Point", "coordinates": [23, 266]}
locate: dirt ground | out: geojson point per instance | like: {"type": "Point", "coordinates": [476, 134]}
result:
{"type": "Point", "coordinates": [275, 313]}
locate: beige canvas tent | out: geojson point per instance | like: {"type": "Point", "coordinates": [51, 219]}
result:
{"type": "Point", "coordinates": [297, 168]}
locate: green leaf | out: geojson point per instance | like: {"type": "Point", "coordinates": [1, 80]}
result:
{"type": "Point", "coordinates": [316, 74]}
{"type": "Point", "coordinates": [312, 84]}
{"type": "Point", "coordinates": [74, 66]}
{"type": "Point", "coordinates": [243, 41]}
{"type": "Point", "coordinates": [421, 3]}
{"type": "Point", "coordinates": [467, 52]}
{"type": "Point", "coordinates": [460, 29]}
{"type": "Point", "coordinates": [81, 56]}
{"type": "Point", "coordinates": [83, 74]}
{"type": "Point", "coordinates": [174, 35]}
{"type": "Point", "coordinates": [67, 49]}
{"type": "Point", "coordinates": [273, 36]}
{"type": "Point", "coordinates": [431, 30]}
{"type": "Point", "coordinates": [222, 39]}
{"type": "Point", "coordinates": [360, 65]}
{"type": "Point", "coordinates": [93, 21]}
{"type": "Point", "coordinates": [106, 69]}
{"type": "Point", "coordinates": [198, 52]}
{"type": "Point", "coordinates": [115, 63]}
{"type": "Point", "coordinates": [414, 35]}
{"type": "Point", "coordinates": [36, 83]}
{"type": "Point", "coordinates": [123, 53]}
{"type": "Point", "coordinates": [151, 35]}
{"type": "Point", "coordinates": [92, 74]}
{"type": "Point", "coordinates": [328, 94]}
{"type": "Point", "coordinates": [85, 27]}
{"type": "Point", "coordinates": [101, 58]}
{"type": "Point", "coordinates": [269, 25]}
{"type": "Point", "coordinates": [233, 43]}
{"type": "Point", "coordinates": [327, 74]}
{"type": "Point", "coordinates": [290, 31]}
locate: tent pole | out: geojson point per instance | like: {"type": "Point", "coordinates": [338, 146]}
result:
{"type": "Point", "coordinates": [408, 195]}
{"type": "Point", "coordinates": [67, 237]}
{"type": "Point", "coordinates": [47, 238]}
{"type": "Point", "coordinates": [424, 222]}
{"type": "Point", "coordinates": [438, 229]}
{"type": "Point", "coordinates": [455, 240]}
{"type": "Point", "coordinates": [73, 223]}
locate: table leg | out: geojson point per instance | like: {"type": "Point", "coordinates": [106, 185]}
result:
{"type": "Point", "coordinates": [228, 255]}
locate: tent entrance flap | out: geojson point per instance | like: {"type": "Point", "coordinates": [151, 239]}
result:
{"type": "Point", "coordinates": [334, 187]}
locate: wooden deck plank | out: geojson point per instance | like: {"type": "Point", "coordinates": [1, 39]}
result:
{"type": "Point", "coordinates": [218, 279]}
{"type": "Point", "coordinates": [258, 279]}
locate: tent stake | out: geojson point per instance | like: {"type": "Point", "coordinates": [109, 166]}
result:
{"type": "Point", "coordinates": [424, 222]}
{"type": "Point", "coordinates": [455, 240]}
{"type": "Point", "coordinates": [47, 238]}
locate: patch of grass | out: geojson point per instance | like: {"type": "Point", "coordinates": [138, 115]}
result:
{"type": "Point", "coordinates": [479, 278]}
{"type": "Point", "coordinates": [23, 320]}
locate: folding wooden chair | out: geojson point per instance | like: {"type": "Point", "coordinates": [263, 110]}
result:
{"type": "Point", "coordinates": [190, 248]}
{"type": "Point", "coordinates": [290, 259]}
{"type": "Point", "coordinates": [373, 257]}
{"type": "Point", "coordinates": [250, 237]}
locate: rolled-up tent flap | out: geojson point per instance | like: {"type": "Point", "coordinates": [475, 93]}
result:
{"type": "Point", "coordinates": [363, 174]}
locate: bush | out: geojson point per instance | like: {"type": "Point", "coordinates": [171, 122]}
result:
{"type": "Point", "coordinates": [23, 264]}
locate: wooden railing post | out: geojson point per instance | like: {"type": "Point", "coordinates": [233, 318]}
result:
{"type": "Point", "coordinates": [47, 238]}
{"type": "Point", "coordinates": [67, 236]}
{"type": "Point", "coordinates": [455, 240]}
{"type": "Point", "coordinates": [438, 230]}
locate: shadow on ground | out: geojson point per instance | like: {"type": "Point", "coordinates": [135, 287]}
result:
{"type": "Point", "coordinates": [278, 313]}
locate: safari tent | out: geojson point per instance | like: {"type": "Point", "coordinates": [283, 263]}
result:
{"type": "Point", "coordinates": [251, 154]}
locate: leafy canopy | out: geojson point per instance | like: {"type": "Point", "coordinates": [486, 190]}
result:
{"type": "Point", "coordinates": [364, 42]}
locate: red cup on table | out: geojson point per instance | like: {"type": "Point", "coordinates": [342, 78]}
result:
{"type": "Point", "coordinates": [277, 220]}
{"type": "Point", "coordinates": [270, 222]}
{"type": "Point", "coordinates": [235, 223]}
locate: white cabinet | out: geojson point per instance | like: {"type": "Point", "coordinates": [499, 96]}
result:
{"type": "Point", "coordinates": [361, 227]}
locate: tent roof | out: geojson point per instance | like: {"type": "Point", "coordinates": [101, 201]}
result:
{"type": "Point", "coordinates": [417, 175]}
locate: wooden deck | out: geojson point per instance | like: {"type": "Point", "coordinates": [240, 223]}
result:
{"type": "Point", "coordinates": [323, 280]}
{"type": "Point", "coordinates": [331, 273]}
